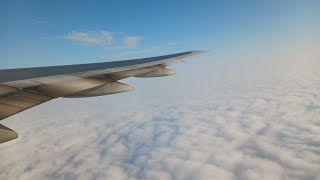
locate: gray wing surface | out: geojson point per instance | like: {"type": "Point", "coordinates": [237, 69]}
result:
{"type": "Point", "coordinates": [21, 89]}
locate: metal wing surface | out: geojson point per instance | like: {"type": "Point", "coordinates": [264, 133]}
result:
{"type": "Point", "coordinates": [21, 89]}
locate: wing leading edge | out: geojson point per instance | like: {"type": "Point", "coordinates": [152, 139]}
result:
{"type": "Point", "coordinates": [21, 89]}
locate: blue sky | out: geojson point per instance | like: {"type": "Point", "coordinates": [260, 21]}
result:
{"type": "Point", "coordinates": [40, 33]}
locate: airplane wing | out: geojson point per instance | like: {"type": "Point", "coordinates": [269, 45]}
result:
{"type": "Point", "coordinates": [21, 89]}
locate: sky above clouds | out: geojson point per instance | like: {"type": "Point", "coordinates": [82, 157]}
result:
{"type": "Point", "coordinates": [50, 32]}
{"type": "Point", "coordinates": [247, 109]}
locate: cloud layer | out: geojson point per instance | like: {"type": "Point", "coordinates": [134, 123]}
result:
{"type": "Point", "coordinates": [269, 130]}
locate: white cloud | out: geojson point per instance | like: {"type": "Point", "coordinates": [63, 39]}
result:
{"type": "Point", "coordinates": [132, 41]}
{"type": "Point", "coordinates": [104, 38]}
{"type": "Point", "coordinates": [107, 36]}
{"type": "Point", "coordinates": [265, 132]}
{"type": "Point", "coordinates": [84, 37]}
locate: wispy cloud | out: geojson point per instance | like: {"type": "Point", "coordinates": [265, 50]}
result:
{"type": "Point", "coordinates": [104, 38]}
{"type": "Point", "coordinates": [107, 36]}
{"type": "Point", "coordinates": [83, 37]}
{"type": "Point", "coordinates": [132, 41]}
